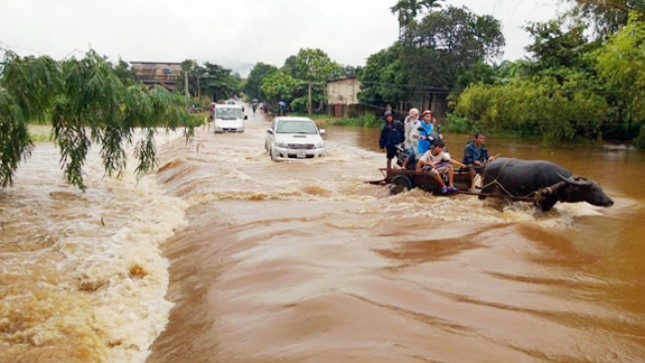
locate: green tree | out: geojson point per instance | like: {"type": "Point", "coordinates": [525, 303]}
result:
{"type": "Point", "coordinates": [218, 82]}
{"type": "Point", "coordinates": [123, 70]}
{"type": "Point", "coordinates": [86, 102]}
{"type": "Point", "coordinates": [278, 86]}
{"type": "Point", "coordinates": [254, 80]}
{"type": "Point", "coordinates": [534, 107]}
{"type": "Point", "coordinates": [477, 73]}
{"type": "Point", "coordinates": [607, 16]}
{"type": "Point", "coordinates": [621, 64]}
{"type": "Point", "coordinates": [556, 46]}
{"type": "Point", "coordinates": [314, 65]}
{"type": "Point", "coordinates": [290, 66]}
{"type": "Point", "coordinates": [408, 10]}
{"type": "Point", "coordinates": [383, 79]}
{"type": "Point", "coordinates": [446, 43]}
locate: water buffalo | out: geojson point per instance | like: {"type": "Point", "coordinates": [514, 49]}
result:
{"type": "Point", "coordinates": [552, 182]}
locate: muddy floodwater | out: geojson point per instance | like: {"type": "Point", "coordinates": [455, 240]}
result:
{"type": "Point", "coordinates": [226, 256]}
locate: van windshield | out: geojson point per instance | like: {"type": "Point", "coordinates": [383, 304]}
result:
{"type": "Point", "coordinates": [296, 127]}
{"type": "Point", "coordinates": [225, 113]}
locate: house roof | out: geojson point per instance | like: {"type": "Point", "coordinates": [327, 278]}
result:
{"type": "Point", "coordinates": [341, 79]}
{"type": "Point", "coordinates": [147, 62]}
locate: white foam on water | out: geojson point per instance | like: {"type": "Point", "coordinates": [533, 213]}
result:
{"type": "Point", "coordinates": [132, 310]}
{"type": "Point", "coordinates": [100, 286]}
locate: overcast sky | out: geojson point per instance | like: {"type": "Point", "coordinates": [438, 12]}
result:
{"type": "Point", "coordinates": [235, 33]}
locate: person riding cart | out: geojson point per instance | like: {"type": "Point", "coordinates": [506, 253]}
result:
{"type": "Point", "coordinates": [476, 157]}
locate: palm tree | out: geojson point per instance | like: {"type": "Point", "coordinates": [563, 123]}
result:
{"type": "Point", "coordinates": [408, 10]}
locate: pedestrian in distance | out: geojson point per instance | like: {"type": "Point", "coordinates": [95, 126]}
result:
{"type": "Point", "coordinates": [282, 107]}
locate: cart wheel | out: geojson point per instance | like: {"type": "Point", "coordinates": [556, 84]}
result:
{"type": "Point", "coordinates": [400, 183]}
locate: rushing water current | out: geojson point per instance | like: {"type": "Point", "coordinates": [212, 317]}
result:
{"type": "Point", "coordinates": [226, 256]}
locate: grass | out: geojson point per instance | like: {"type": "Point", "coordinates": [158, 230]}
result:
{"type": "Point", "coordinates": [40, 133]}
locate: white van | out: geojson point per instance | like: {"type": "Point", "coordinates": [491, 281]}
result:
{"type": "Point", "coordinates": [228, 118]}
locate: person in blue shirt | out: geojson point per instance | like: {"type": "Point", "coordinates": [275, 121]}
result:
{"type": "Point", "coordinates": [424, 134]}
{"type": "Point", "coordinates": [476, 156]}
{"type": "Point", "coordinates": [391, 135]}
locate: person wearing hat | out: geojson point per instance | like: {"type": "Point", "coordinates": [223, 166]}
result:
{"type": "Point", "coordinates": [424, 134]}
{"type": "Point", "coordinates": [391, 135]}
{"type": "Point", "coordinates": [421, 136]}
{"type": "Point", "coordinates": [410, 123]}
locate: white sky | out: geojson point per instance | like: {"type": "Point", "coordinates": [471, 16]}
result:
{"type": "Point", "coordinates": [234, 33]}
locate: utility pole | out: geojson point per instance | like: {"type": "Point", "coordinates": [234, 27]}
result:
{"type": "Point", "coordinates": [186, 87]}
{"type": "Point", "coordinates": [199, 89]}
{"type": "Point", "coordinates": [310, 101]}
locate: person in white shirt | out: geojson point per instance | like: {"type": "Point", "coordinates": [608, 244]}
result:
{"type": "Point", "coordinates": [436, 162]}
{"type": "Point", "coordinates": [409, 124]}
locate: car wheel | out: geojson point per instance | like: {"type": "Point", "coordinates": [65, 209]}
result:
{"type": "Point", "coordinates": [272, 154]}
{"type": "Point", "coordinates": [400, 183]}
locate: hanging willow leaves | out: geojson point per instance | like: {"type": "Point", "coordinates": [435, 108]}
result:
{"type": "Point", "coordinates": [17, 147]}
{"type": "Point", "coordinates": [87, 103]}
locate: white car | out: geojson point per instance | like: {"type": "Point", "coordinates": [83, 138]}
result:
{"type": "Point", "coordinates": [228, 118]}
{"type": "Point", "coordinates": [294, 138]}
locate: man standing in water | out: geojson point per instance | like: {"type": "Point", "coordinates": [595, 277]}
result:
{"type": "Point", "coordinates": [476, 157]}
{"type": "Point", "coordinates": [391, 135]}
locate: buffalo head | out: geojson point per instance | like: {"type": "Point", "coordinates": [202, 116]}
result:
{"type": "Point", "coordinates": [579, 189]}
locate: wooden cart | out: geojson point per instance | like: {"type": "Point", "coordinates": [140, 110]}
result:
{"type": "Point", "coordinates": [400, 180]}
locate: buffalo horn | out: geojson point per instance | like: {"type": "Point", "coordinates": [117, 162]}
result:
{"type": "Point", "coordinates": [576, 180]}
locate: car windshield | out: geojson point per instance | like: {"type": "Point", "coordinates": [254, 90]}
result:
{"type": "Point", "coordinates": [226, 113]}
{"type": "Point", "coordinates": [296, 127]}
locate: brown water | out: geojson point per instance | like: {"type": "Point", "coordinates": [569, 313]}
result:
{"type": "Point", "coordinates": [304, 262]}
{"type": "Point", "coordinates": [82, 278]}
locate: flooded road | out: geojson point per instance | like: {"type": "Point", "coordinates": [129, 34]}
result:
{"type": "Point", "coordinates": [226, 256]}
{"type": "Point", "coordinates": [304, 262]}
{"type": "Point", "coordinates": [82, 277]}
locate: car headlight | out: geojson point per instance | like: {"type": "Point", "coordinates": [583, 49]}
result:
{"type": "Point", "coordinates": [281, 144]}
{"type": "Point", "coordinates": [320, 145]}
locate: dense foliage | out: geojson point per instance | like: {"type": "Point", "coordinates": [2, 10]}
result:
{"type": "Point", "coordinates": [430, 57]}
{"type": "Point", "coordinates": [383, 79]}
{"type": "Point", "coordinates": [211, 80]}
{"type": "Point", "coordinates": [573, 87]}
{"type": "Point", "coordinates": [408, 10]}
{"type": "Point", "coordinates": [87, 101]}
{"type": "Point", "coordinates": [607, 16]}
{"type": "Point", "coordinates": [254, 80]}
{"type": "Point", "coordinates": [447, 43]}
{"type": "Point", "coordinates": [301, 82]}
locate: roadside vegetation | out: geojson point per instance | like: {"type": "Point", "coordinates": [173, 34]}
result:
{"type": "Point", "coordinates": [300, 82]}
{"type": "Point", "coordinates": [573, 88]}
{"type": "Point", "coordinates": [583, 79]}
{"type": "Point", "coordinates": [86, 102]}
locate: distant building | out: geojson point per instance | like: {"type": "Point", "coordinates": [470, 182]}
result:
{"type": "Point", "coordinates": [342, 96]}
{"type": "Point", "coordinates": [164, 74]}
